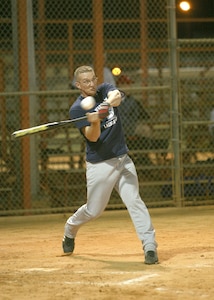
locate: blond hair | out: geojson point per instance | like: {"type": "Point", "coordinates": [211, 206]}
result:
{"type": "Point", "coordinates": [82, 69]}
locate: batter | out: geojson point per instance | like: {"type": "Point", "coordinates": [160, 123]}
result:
{"type": "Point", "coordinates": [108, 164]}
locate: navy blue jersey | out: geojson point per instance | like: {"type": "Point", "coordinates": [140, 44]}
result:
{"type": "Point", "coordinates": [111, 142]}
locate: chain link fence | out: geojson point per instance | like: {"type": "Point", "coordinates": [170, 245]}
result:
{"type": "Point", "coordinates": [43, 41]}
{"type": "Point", "coordinates": [197, 111]}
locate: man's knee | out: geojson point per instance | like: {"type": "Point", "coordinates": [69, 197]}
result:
{"type": "Point", "coordinates": [92, 214]}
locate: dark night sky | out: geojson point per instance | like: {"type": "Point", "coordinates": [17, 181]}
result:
{"type": "Point", "coordinates": [203, 9]}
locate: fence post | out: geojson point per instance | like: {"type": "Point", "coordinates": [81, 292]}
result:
{"type": "Point", "coordinates": [24, 86]}
{"type": "Point", "coordinates": [3, 126]}
{"type": "Point", "coordinates": [32, 102]}
{"type": "Point", "coordinates": [98, 38]}
{"type": "Point", "coordinates": [174, 101]}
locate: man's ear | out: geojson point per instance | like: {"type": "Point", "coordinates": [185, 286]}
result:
{"type": "Point", "coordinates": [77, 84]}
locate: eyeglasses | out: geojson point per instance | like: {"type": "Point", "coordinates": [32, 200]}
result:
{"type": "Point", "coordinates": [88, 82]}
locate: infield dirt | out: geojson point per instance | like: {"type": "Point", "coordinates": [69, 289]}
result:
{"type": "Point", "coordinates": [108, 259]}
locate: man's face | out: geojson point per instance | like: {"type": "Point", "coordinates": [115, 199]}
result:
{"type": "Point", "coordinates": [87, 83]}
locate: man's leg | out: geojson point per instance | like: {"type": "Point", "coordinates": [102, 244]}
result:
{"type": "Point", "coordinates": [101, 178]}
{"type": "Point", "coordinates": [128, 189]}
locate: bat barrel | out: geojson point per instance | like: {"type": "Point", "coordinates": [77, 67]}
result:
{"type": "Point", "coordinates": [40, 128]}
{"type": "Point", "coordinates": [32, 130]}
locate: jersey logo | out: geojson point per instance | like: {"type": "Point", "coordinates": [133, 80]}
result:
{"type": "Point", "coordinates": [111, 119]}
{"type": "Point", "coordinates": [111, 113]}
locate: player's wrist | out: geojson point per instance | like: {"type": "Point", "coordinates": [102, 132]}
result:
{"type": "Point", "coordinates": [93, 117]}
{"type": "Point", "coordinates": [106, 103]}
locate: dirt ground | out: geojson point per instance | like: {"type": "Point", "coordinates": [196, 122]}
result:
{"type": "Point", "coordinates": [108, 259]}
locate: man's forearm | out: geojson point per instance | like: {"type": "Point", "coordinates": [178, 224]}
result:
{"type": "Point", "coordinates": [92, 132]}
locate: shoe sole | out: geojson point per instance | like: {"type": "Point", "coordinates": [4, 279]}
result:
{"type": "Point", "coordinates": [65, 254]}
{"type": "Point", "coordinates": [151, 263]}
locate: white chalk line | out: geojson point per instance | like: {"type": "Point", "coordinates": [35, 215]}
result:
{"type": "Point", "coordinates": [40, 270]}
{"type": "Point", "coordinates": [82, 271]}
{"type": "Point", "coordinates": [129, 282]}
{"type": "Point", "coordinates": [136, 280]}
{"type": "Point", "coordinates": [133, 281]}
{"type": "Point", "coordinates": [199, 266]}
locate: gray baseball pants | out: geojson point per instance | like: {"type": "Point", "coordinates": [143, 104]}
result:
{"type": "Point", "coordinates": [118, 173]}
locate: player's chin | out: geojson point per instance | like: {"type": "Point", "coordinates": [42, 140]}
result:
{"type": "Point", "coordinates": [91, 92]}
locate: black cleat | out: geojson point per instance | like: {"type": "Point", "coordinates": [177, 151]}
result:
{"type": "Point", "coordinates": [151, 258]}
{"type": "Point", "coordinates": [68, 245]}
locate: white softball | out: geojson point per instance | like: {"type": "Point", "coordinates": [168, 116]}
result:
{"type": "Point", "coordinates": [88, 103]}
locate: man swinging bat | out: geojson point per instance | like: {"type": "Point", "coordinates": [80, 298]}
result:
{"type": "Point", "coordinates": [108, 164]}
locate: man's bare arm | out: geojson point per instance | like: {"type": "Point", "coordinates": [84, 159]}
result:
{"type": "Point", "coordinates": [92, 132]}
